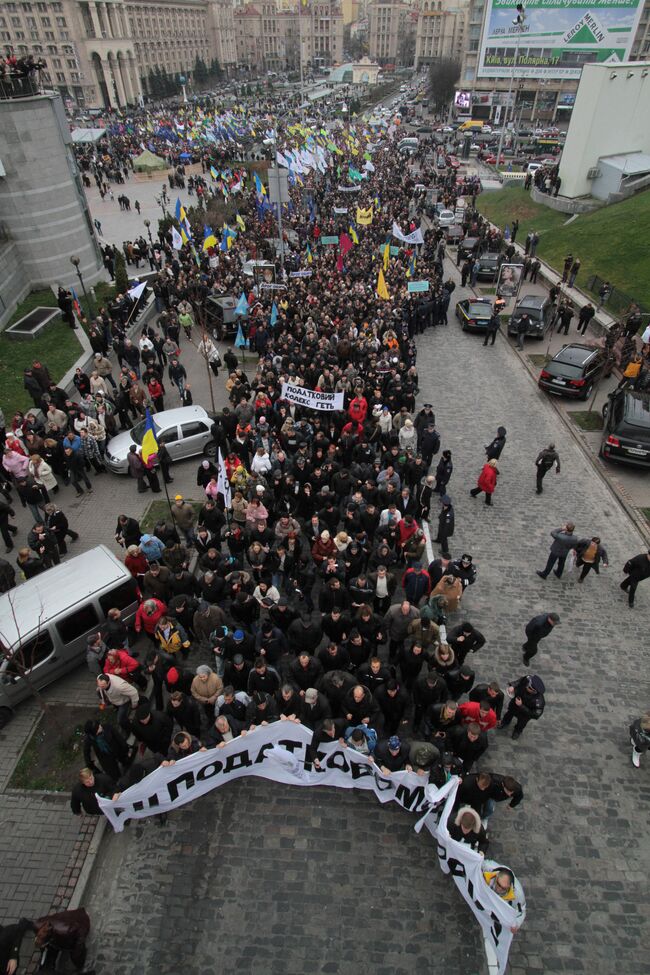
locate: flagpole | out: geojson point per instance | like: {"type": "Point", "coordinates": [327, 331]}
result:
{"type": "Point", "coordinates": [169, 505]}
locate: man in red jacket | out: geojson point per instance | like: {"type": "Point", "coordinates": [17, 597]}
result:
{"type": "Point", "coordinates": [358, 409]}
{"type": "Point", "coordinates": [479, 712]}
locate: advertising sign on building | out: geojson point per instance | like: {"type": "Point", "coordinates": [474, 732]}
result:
{"type": "Point", "coordinates": [558, 36]}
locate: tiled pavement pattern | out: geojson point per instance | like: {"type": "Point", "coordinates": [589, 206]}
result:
{"type": "Point", "coordinates": [579, 843]}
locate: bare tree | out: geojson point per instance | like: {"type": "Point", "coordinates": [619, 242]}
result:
{"type": "Point", "coordinates": [22, 659]}
{"type": "Point", "coordinates": [443, 78]}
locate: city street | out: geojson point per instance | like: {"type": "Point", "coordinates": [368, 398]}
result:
{"type": "Point", "coordinates": [575, 843]}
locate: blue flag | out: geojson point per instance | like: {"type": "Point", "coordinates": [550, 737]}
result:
{"type": "Point", "coordinates": [178, 208]}
{"type": "Point", "coordinates": [240, 341]}
{"type": "Point", "coordinates": [274, 314]}
{"type": "Point", "coordinates": [242, 305]}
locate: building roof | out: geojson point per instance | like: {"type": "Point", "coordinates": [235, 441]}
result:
{"type": "Point", "coordinates": [629, 163]}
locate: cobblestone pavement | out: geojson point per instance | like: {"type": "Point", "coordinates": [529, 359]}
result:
{"type": "Point", "coordinates": [577, 843]}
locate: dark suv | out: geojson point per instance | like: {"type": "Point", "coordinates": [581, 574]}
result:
{"type": "Point", "coordinates": [626, 428]}
{"type": "Point", "coordinates": [572, 371]}
{"type": "Point", "coordinates": [539, 309]}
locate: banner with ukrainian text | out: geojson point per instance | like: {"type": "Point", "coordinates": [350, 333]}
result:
{"type": "Point", "coordinates": [313, 399]}
{"type": "Point", "coordinates": [278, 752]}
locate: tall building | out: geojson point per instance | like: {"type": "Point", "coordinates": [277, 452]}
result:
{"type": "Point", "coordinates": [271, 39]}
{"type": "Point", "coordinates": [45, 218]}
{"type": "Point", "coordinates": [441, 31]}
{"type": "Point", "coordinates": [100, 53]}
{"type": "Point", "coordinates": [532, 75]}
{"type": "Point", "coordinates": [391, 31]}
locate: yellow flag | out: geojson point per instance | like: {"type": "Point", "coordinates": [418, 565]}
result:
{"type": "Point", "coordinates": [382, 290]}
{"type": "Point", "coordinates": [240, 222]}
{"type": "Point", "coordinates": [386, 256]}
{"type": "Point", "coordinates": [353, 234]}
{"type": "Point", "coordinates": [364, 217]}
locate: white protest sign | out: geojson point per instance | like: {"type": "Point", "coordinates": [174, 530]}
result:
{"type": "Point", "coordinates": [312, 398]}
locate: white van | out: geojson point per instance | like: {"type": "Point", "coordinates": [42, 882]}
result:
{"type": "Point", "coordinates": [45, 621]}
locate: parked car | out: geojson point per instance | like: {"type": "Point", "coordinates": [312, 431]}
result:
{"type": "Point", "coordinates": [626, 428]}
{"type": "Point", "coordinates": [487, 267]}
{"type": "Point", "coordinates": [46, 621]}
{"type": "Point", "coordinates": [453, 234]}
{"type": "Point", "coordinates": [184, 431]}
{"type": "Point", "coordinates": [539, 309]}
{"type": "Point", "coordinates": [474, 314]}
{"type": "Point", "coordinates": [466, 247]}
{"type": "Point", "coordinates": [573, 371]}
{"type": "Point", "coordinates": [446, 218]}
{"type": "Point", "coordinates": [533, 167]}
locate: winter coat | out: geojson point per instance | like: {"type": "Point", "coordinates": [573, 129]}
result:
{"type": "Point", "coordinates": [452, 589]}
{"type": "Point", "coordinates": [148, 622]}
{"type": "Point", "coordinates": [487, 480]}
{"type": "Point", "coordinates": [42, 474]}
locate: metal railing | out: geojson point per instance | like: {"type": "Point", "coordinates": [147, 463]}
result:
{"type": "Point", "coordinates": [618, 302]}
{"type": "Point", "coordinates": [19, 87]}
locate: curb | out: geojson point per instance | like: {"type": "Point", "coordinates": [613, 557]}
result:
{"type": "Point", "coordinates": [88, 864]}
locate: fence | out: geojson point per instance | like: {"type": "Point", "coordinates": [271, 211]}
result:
{"type": "Point", "coordinates": [618, 301]}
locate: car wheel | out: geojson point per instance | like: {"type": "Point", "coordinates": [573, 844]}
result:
{"type": "Point", "coordinates": [588, 391]}
{"type": "Point", "coordinates": [464, 326]}
{"type": "Point", "coordinates": [210, 450]}
{"type": "Point", "coordinates": [6, 714]}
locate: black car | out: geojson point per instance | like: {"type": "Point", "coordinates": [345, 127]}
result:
{"type": "Point", "coordinates": [572, 371]}
{"type": "Point", "coordinates": [539, 309]}
{"type": "Point", "coordinates": [474, 314]}
{"type": "Point", "coordinates": [626, 428]}
{"type": "Point", "coordinates": [487, 267]}
{"type": "Point", "coordinates": [467, 247]}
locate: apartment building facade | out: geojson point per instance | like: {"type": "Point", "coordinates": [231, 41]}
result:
{"type": "Point", "coordinates": [441, 31]}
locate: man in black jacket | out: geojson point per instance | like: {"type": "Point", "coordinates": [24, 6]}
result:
{"type": "Point", "coordinates": [392, 755]}
{"type": "Point", "coordinates": [490, 692]}
{"type": "Point", "coordinates": [84, 793]}
{"type": "Point", "coordinates": [331, 730]}
{"type": "Point", "coordinates": [446, 525]}
{"type": "Point", "coordinates": [109, 747]}
{"type": "Point", "coordinates": [127, 531]}
{"type": "Point", "coordinates": [393, 702]}
{"type": "Point", "coordinates": [527, 702]}
{"type": "Point", "coordinates": [305, 672]}
{"type": "Point", "coordinates": [536, 629]}
{"type": "Point", "coordinates": [314, 709]}
{"type": "Point", "coordinates": [545, 460]}
{"type": "Point", "coordinates": [359, 707]}
{"type": "Point", "coordinates": [262, 710]}
{"type": "Point", "coordinates": [466, 742]}
{"type": "Point", "coordinates": [636, 569]}
{"type": "Point", "coordinates": [430, 688]}
{"type": "Point", "coordinates": [153, 729]}
{"type": "Point", "coordinates": [464, 639]}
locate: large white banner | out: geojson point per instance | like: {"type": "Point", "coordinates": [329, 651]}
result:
{"type": "Point", "coordinates": [312, 398]}
{"type": "Point", "coordinates": [279, 752]}
{"type": "Point", "coordinates": [414, 238]}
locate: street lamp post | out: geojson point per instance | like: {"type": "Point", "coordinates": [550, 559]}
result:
{"type": "Point", "coordinates": [518, 22]}
{"type": "Point", "coordinates": [147, 224]}
{"type": "Point", "coordinates": [76, 262]}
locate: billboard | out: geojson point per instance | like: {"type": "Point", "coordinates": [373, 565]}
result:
{"type": "Point", "coordinates": [557, 38]}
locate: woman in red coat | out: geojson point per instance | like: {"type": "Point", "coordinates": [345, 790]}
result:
{"type": "Point", "coordinates": [487, 481]}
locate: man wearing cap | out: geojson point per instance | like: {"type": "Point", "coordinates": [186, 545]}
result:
{"type": "Point", "coordinates": [262, 710]}
{"type": "Point", "coordinates": [464, 639]}
{"type": "Point", "coordinates": [184, 517]}
{"type": "Point", "coordinates": [425, 417]}
{"type": "Point", "coordinates": [236, 673]}
{"type": "Point", "coordinates": [446, 525]}
{"type": "Point", "coordinates": [153, 729]}
{"type": "Point", "coordinates": [527, 703]}
{"type": "Point", "coordinates": [314, 709]}
{"type": "Point", "coordinates": [464, 569]}
{"type": "Point", "coordinates": [392, 755]}
{"type": "Point", "coordinates": [537, 629]}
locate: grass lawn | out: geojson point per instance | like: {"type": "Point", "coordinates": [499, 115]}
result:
{"type": "Point", "coordinates": [586, 420]}
{"type": "Point", "coordinates": [54, 753]}
{"type": "Point", "coordinates": [158, 510]}
{"type": "Point", "coordinates": [539, 360]}
{"type": "Point", "coordinates": [607, 241]}
{"type": "Point", "coordinates": [57, 347]}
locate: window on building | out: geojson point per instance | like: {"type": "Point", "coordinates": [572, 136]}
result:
{"type": "Point", "coordinates": [49, 35]}
{"type": "Point", "coordinates": [15, 21]}
{"type": "Point", "coordinates": [60, 76]}
{"type": "Point", "coordinates": [56, 62]}
{"type": "Point", "coordinates": [20, 35]}
{"type": "Point", "coordinates": [71, 63]}
{"type": "Point", "coordinates": [60, 22]}
{"type": "Point", "coordinates": [64, 35]}
{"type": "Point", "coordinates": [46, 22]}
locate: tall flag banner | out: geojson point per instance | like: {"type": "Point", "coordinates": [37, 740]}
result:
{"type": "Point", "coordinates": [75, 303]}
{"type": "Point", "coordinates": [223, 484]}
{"type": "Point", "coordinates": [274, 314]}
{"type": "Point", "coordinates": [242, 305]}
{"type": "Point", "coordinates": [386, 256]}
{"type": "Point", "coordinates": [149, 442]}
{"type": "Point", "coordinates": [240, 340]}
{"type": "Point", "coordinates": [240, 222]}
{"type": "Point", "coordinates": [382, 290]}
{"type": "Point", "coordinates": [309, 254]}
{"type": "Point", "coordinates": [345, 244]}
{"type": "Point", "coordinates": [353, 234]}
{"type": "Point", "coordinates": [364, 217]}
{"type": "Point", "coordinates": [177, 240]}
{"type": "Point", "coordinates": [178, 209]}
{"type": "Point", "coordinates": [260, 188]}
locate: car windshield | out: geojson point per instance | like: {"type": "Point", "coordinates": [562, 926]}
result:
{"type": "Point", "coordinates": [478, 310]}
{"type": "Point", "coordinates": [137, 433]}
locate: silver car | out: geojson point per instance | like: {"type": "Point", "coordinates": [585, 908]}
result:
{"type": "Point", "coordinates": [184, 431]}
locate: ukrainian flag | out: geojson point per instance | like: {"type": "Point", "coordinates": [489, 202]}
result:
{"type": "Point", "coordinates": [149, 442]}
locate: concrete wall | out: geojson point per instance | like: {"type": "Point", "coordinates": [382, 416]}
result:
{"type": "Point", "coordinates": [43, 207]}
{"type": "Point", "coordinates": [560, 203]}
{"type": "Point", "coordinates": [13, 287]}
{"type": "Point", "coordinates": [611, 115]}
{"type": "Point", "coordinates": [608, 182]}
